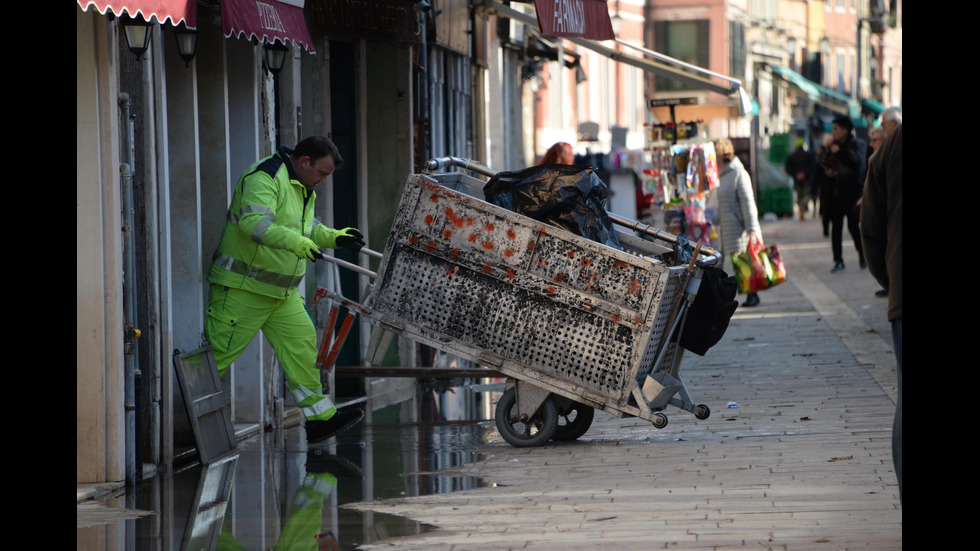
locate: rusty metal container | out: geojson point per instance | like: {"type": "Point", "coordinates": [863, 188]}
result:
{"type": "Point", "coordinates": [532, 301]}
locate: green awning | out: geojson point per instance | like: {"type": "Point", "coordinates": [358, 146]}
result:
{"type": "Point", "coordinates": [808, 87]}
{"type": "Point", "coordinates": [872, 106]}
{"type": "Point", "coordinates": [818, 93]}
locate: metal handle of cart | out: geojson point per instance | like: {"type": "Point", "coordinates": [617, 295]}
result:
{"type": "Point", "coordinates": [350, 265]}
{"type": "Point", "coordinates": [331, 344]}
{"type": "Point", "coordinates": [710, 257]}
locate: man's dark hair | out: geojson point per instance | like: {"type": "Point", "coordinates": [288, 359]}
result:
{"type": "Point", "coordinates": [317, 147]}
{"type": "Point", "coordinates": [845, 123]}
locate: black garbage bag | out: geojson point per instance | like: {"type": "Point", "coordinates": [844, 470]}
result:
{"type": "Point", "coordinates": [570, 197]}
{"type": "Point", "coordinates": [708, 316]}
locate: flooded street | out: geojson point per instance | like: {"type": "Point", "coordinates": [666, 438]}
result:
{"type": "Point", "coordinates": [278, 493]}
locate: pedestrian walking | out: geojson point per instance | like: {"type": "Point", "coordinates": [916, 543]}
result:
{"type": "Point", "coordinates": [801, 165]}
{"type": "Point", "coordinates": [881, 230]}
{"type": "Point", "coordinates": [878, 136]}
{"type": "Point", "coordinates": [820, 186]}
{"type": "Point", "coordinates": [891, 118]}
{"type": "Point", "coordinates": [842, 168]}
{"type": "Point", "coordinates": [737, 210]}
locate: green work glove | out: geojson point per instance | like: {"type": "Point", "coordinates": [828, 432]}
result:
{"type": "Point", "coordinates": [305, 248]}
{"type": "Point", "coordinates": [350, 238]}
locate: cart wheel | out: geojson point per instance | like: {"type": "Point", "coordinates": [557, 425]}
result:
{"type": "Point", "coordinates": [660, 420]}
{"type": "Point", "coordinates": [573, 421]}
{"type": "Point", "coordinates": [520, 434]}
{"type": "Point", "coordinates": [702, 411]}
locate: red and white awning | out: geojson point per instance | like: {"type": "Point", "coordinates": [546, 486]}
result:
{"type": "Point", "coordinates": [267, 20]}
{"type": "Point", "coordinates": [659, 64]}
{"type": "Point", "coordinates": [176, 11]}
{"type": "Point", "coordinates": [574, 18]}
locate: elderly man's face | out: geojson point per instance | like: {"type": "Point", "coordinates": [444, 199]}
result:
{"type": "Point", "coordinates": [888, 126]}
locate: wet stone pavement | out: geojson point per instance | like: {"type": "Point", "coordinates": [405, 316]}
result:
{"type": "Point", "coordinates": [277, 493]}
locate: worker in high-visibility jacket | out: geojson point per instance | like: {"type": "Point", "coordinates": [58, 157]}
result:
{"type": "Point", "coordinates": [269, 235]}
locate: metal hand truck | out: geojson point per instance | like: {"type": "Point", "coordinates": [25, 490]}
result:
{"type": "Point", "coordinates": [575, 325]}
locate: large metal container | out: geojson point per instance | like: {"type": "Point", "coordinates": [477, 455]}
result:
{"type": "Point", "coordinates": [528, 299]}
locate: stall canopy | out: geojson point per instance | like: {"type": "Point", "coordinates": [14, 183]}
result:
{"type": "Point", "coordinates": [873, 107]}
{"type": "Point", "coordinates": [266, 20]}
{"type": "Point", "coordinates": [176, 11]}
{"type": "Point", "coordinates": [816, 93]}
{"type": "Point", "coordinates": [660, 64]}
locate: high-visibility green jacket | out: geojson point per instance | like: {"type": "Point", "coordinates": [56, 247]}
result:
{"type": "Point", "coordinates": [269, 213]}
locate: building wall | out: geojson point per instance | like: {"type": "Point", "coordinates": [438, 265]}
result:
{"type": "Point", "coordinates": [717, 112]}
{"type": "Point", "coordinates": [890, 72]}
{"type": "Point", "coordinates": [389, 133]}
{"type": "Point", "coordinates": [100, 430]}
{"type": "Point", "coordinates": [206, 123]}
{"type": "Point", "coordinates": [840, 19]}
{"type": "Point", "coordinates": [504, 106]}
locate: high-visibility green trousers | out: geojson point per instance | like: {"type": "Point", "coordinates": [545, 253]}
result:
{"type": "Point", "coordinates": [305, 518]}
{"type": "Point", "coordinates": [236, 316]}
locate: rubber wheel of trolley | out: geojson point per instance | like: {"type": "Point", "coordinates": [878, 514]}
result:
{"type": "Point", "coordinates": [574, 422]}
{"type": "Point", "coordinates": [536, 431]}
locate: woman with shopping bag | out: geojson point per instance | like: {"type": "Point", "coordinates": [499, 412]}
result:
{"type": "Point", "coordinates": [739, 217]}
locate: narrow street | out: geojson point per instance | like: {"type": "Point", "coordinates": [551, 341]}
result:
{"type": "Point", "coordinates": [796, 455]}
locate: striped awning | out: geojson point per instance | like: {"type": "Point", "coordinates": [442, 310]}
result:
{"type": "Point", "coordinates": [176, 11]}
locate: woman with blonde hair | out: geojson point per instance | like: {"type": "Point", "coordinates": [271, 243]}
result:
{"type": "Point", "coordinates": [737, 213]}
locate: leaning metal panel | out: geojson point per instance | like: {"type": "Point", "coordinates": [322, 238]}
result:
{"type": "Point", "coordinates": [571, 310]}
{"type": "Point", "coordinates": [662, 319]}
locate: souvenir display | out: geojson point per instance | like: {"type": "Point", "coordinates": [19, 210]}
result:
{"type": "Point", "coordinates": [680, 177]}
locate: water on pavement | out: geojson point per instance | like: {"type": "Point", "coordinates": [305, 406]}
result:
{"type": "Point", "coordinates": [278, 493]}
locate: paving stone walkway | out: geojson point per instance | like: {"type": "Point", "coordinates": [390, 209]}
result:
{"type": "Point", "coordinates": [803, 462]}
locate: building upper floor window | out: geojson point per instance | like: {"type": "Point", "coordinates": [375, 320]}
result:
{"type": "Point", "coordinates": [683, 40]}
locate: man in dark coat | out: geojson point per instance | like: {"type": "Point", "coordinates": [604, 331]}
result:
{"type": "Point", "coordinates": [801, 165]}
{"type": "Point", "coordinates": [881, 230]}
{"type": "Point", "coordinates": [841, 164]}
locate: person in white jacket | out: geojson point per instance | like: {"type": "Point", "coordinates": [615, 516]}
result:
{"type": "Point", "coordinates": [739, 217]}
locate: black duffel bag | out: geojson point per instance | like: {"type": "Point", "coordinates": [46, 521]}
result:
{"type": "Point", "coordinates": [708, 316]}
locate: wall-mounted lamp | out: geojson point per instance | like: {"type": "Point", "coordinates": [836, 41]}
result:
{"type": "Point", "coordinates": [275, 56]}
{"type": "Point", "coordinates": [137, 33]}
{"type": "Point", "coordinates": [617, 23]}
{"type": "Point", "coordinates": [186, 42]}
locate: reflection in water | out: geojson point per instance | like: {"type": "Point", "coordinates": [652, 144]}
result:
{"type": "Point", "coordinates": [277, 493]}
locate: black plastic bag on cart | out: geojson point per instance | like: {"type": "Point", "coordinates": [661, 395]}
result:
{"type": "Point", "coordinates": [570, 197]}
{"type": "Point", "coordinates": [713, 307]}
{"type": "Point", "coordinates": [685, 251]}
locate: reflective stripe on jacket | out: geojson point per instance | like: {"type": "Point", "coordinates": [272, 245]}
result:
{"type": "Point", "coordinates": [270, 211]}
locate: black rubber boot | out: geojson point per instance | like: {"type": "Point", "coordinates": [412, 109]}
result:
{"type": "Point", "coordinates": [318, 431]}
